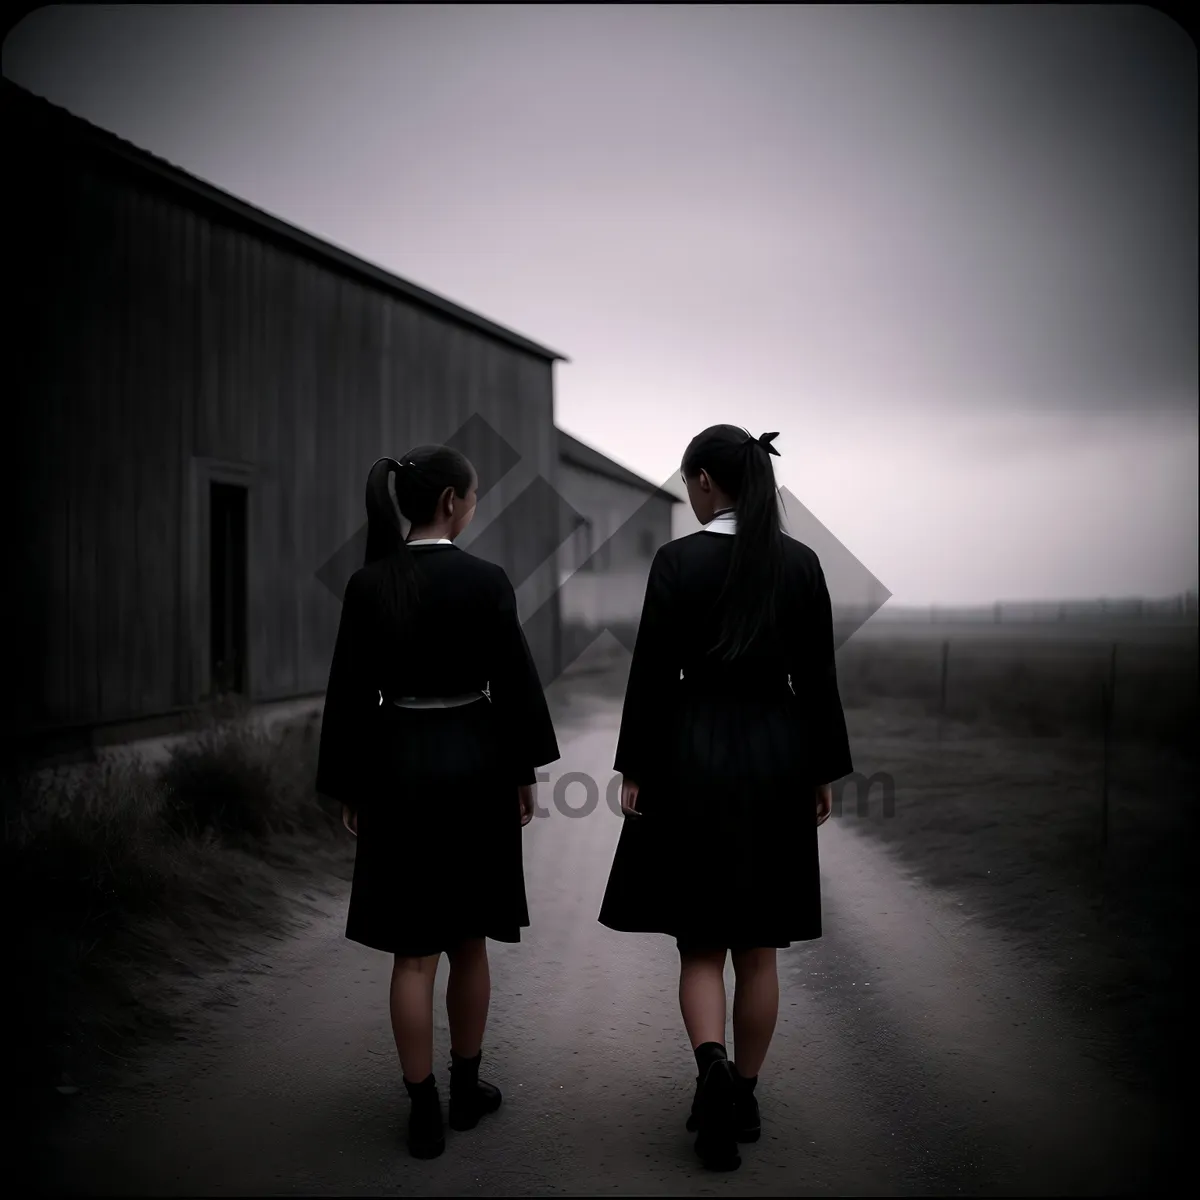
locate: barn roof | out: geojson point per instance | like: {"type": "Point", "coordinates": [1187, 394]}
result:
{"type": "Point", "coordinates": [577, 453]}
{"type": "Point", "coordinates": [23, 104]}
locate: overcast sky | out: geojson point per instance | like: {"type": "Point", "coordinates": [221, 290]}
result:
{"type": "Point", "coordinates": [950, 253]}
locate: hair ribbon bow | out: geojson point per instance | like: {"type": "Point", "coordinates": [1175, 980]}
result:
{"type": "Point", "coordinates": [764, 440]}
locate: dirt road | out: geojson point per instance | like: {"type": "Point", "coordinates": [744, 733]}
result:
{"type": "Point", "coordinates": [916, 1054]}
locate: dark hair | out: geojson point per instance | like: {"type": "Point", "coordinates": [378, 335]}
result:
{"type": "Point", "coordinates": [740, 466]}
{"type": "Point", "coordinates": [421, 479]}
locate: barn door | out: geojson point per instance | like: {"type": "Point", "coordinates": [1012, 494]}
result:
{"type": "Point", "coordinates": [227, 587]}
{"type": "Point", "coordinates": [215, 649]}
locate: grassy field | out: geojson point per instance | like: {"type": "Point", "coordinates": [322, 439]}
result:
{"type": "Point", "coordinates": [1038, 679]}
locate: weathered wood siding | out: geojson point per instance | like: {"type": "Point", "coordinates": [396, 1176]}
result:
{"type": "Point", "coordinates": [162, 345]}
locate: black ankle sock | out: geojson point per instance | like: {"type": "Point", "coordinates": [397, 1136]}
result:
{"type": "Point", "coordinates": [747, 1081]}
{"type": "Point", "coordinates": [428, 1084]}
{"type": "Point", "coordinates": [707, 1053]}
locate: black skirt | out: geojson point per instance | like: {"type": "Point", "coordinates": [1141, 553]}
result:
{"type": "Point", "coordinates": [439, 853]}
{"type": "Point", "coordinates": [724, 854]}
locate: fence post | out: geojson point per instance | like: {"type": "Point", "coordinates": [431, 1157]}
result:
{"type": "Point", "coordinates": [942, 690]}
{"type": "Point", "coordinates": [1108, 701]}
{"type": "Point", "coordinates": [1105, 709]}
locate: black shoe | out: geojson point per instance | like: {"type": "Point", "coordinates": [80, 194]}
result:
{"type": "Point", "coordinates": [426, 1134]}
{"type": "Point", "coordinates": [470, 1096]}
{"type": "Point", "coordinates": [716, 1143]}
{"type": "Point", "coordinates": [746, 1123]}
{"type": "Point", "coordinates": [747, 1126]}
{"type": "Point", "coordinates": [693, 1121]}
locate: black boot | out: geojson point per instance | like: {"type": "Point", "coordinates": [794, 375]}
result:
{"type": "Point", "coordinates": [426, 1134]}
{"type": "Point", "coordinates": [693, 1121]}
{"type": "Point", "coordinates": [746, 1124]}
{"type": "Point", "coordinates": [716, 1143]}
{"type": "Point", "coordinates": [470, 1097]}
{"type": "Point", "coordinates": [705, 1054]}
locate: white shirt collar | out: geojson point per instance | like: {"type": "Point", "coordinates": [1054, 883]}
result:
{"type": "Point", "coordinates": [725, 522]}
{"type": "Point", "coordinates": [431, 542]}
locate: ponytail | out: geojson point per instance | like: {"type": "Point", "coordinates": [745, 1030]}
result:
{"type": "Point", "coordinates": [385, 542]}
{"type": "Point", "coordinates": [421, 478]}
{"type": "Point", "coordinates": [741, 466]}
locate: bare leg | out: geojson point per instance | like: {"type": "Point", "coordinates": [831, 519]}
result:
{"type": "Point", "coordinates": [412, 1014]}
{"type": "Point", "coordinates": [755, 1007]}
{"type": "Point", "coordinates": [468, 994]}
{"type": "Point", "coordinates": [702, 995]}
{"type": "Point", "coordinates": [714, 1111]}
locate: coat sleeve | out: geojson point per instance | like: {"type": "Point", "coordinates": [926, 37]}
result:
{"type": "Point", "coordinates": [516, 690]}
{"type": "Point", "coordinates": [653, 674]}
{"type": "Point", "coordinates": [817, 669]}
{"type": "Point", "coordinates": [350, 701]}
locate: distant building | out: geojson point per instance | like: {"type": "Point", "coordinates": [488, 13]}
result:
{"type": "Point", "coordinates": [604, 559]}
{"type": "Point", "coordinates": [196, 393]}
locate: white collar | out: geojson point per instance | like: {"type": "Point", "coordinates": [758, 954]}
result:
{"type": "Point", "coordinates": [725, 522]}
{"type": "Point", "coordinates": [431, 542]}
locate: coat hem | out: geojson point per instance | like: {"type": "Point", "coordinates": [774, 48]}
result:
{"type": "Point", "coordinates": [695, 937]}
{"type": "Point", "coordinates": [421, 947]}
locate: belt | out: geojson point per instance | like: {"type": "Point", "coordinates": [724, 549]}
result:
{"type": "Point", "coordinates": [730, 685]}
{"type": "Point", "coordinates": [439, 701]}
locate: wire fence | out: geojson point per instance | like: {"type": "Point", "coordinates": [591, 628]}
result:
{"type": "Point", "coordinates": [1181, 606]}
{"type": "Point", "coordinates": [1106, 709]}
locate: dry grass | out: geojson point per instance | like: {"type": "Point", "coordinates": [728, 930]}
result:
{"type": "Point", "coordinates": [1031, 683]}
{"type": "Point", "coordinates": [122, 878]}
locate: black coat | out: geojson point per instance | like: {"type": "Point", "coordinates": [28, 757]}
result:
{"type": "Point", "coordinates": [727, 757]}
{"type": "Point", "coordinates": [439, 853]}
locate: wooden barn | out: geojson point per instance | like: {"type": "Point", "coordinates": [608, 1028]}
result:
{"type": "Point", "coordinates": [200, 389]}
{"type": "Point", "coordinates": [621, 520]}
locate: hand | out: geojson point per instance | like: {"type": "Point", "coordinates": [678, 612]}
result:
{"type": "Point", "coordinates": [525, 794]}
{"type": "Point", "coordinates": [629, 797]}
{"type": "Point", "coordinates": [350, 819]}
{"type": "Point", "coordinates": [824, 802]}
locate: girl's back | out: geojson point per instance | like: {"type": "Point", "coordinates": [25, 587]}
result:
{"type": "Point", "coordinates": [685, 691]}
{"type": "Point", "coordinates": [448, 640]}
{"type": "Point", "coordinates": [701, 563]}
{"type": "Point", "coordinates": [434, 718]}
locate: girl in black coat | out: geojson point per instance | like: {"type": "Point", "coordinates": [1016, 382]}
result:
{"type": "Point", "coordinates": [434, 724]}
{"type": "Point", "coordinates": [731, 734]}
